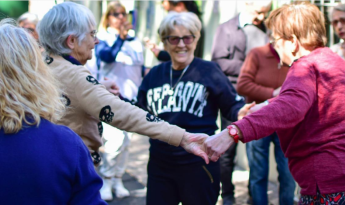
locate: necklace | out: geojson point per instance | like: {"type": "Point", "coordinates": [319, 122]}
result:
{"type": "Point", "coordinates": [171, 91]}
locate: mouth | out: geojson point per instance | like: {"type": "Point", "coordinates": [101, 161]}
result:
{"type": "Point", "coordinates": [181, 52]}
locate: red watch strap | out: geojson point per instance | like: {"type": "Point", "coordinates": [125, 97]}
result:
{"type": "Point", "coordinates": [235, 136]}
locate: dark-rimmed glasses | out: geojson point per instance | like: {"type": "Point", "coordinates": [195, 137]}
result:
{"type": "Point", "coordinates": [117, 15]}
{"type": "Point", "coordinates": [175, 40]}
{"type": "Point", "coordinates": [94, 34]}
{"type": "Point", "coordinates": [336, 21]}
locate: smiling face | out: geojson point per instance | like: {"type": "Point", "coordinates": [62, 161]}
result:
{"type": "Point", "coordinates": [257, 12]}
{"type": "Point", "coordinates": [83, 52]}
{"type": "Point", "coordinates": [181, 54]}
{"type": "Point", "coordinates": [338, 22]}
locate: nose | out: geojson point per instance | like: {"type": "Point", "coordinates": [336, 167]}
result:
{"type": "Point", "coordinates": [96, 41]}
{"type": "Point", "coordinates": [181, 43]}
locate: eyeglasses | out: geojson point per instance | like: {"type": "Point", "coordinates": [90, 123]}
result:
{"type": "Point", "coordinates": [336, 21]}
{"type": "Point", "coordinates": [175, 40]}
{"type": "Point", "coordinates": [117, 15]}
{"type": "Point", "coordinates": [273, 41]}
{"type": "Point", "coordinates": [94, 35]}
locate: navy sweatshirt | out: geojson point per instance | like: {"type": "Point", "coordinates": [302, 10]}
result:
{"type": "Point", "coordinates": [198, 96]}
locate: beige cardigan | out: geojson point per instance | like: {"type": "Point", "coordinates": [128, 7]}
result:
{"type": "Point", "coordinates": [88, 103]}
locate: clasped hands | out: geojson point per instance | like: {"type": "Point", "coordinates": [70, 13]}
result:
{"type": "Point", "coordinates": [212, 147]}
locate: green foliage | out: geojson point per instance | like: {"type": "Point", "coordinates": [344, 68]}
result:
{"type": "Point", "coordinates": [13, 9]}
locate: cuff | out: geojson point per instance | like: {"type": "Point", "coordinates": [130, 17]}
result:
{"type": "Point", "coordinates": [248, 133]}
{"type": "Point", "coordinates": [176, 135]}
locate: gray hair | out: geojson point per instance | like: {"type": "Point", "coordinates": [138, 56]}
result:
{"type": "Point", "coordinates": [339, 7]}
{"type": "Point", "coordinates": [61, 21]}
{"type": "Point", "coordinates": [186, 19]}
{"type": "Point", "coordinates": [32, 18]}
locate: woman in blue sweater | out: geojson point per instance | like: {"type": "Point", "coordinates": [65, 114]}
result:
{"type": "Point", "coordinates": [187, 92]}
{"type": "Point", "coordinates": [41, 163]}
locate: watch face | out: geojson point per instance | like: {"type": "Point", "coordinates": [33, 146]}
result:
{"type": "Point", "coordinates": [233, 131]}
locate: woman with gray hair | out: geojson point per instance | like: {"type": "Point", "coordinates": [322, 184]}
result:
{"type": "Point", "coordinates": [68, 34]}
{"type": "Point", "coordinates": [41, 162]}
{"type": "Point", "coordinates": [29, 21]}
{"type": "Point", "coordinates": [337, 19]}
{"type": "Point", "coordinates": [188, 92]}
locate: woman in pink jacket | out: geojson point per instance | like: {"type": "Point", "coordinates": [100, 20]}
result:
{"type": "Point", "coordinates": [308, 115]}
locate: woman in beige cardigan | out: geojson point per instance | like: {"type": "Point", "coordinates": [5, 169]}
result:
{"type": "Point", "coordinates": [67, 32]}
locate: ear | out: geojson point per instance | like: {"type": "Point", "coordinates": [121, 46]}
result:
{"type": "Point", "coordinates": [294, 44]}
{"type": "Point", "coordinates": [70, 42]}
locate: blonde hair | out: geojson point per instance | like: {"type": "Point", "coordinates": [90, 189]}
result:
{"type": "Point", "coordinates": [188, 20]}
{"type": "Point", "coordinates": [28, 90]}
{"type": "Point", "coordinates": [112, 7]}
{"type": "Point", "coordinates": [303, 19]}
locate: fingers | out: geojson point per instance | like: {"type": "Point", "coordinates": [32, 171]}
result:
{"type": "Point", "coordinates": [205, 157]}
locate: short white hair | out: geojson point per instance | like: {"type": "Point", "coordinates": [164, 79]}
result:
{"type": "Point", "coordinates": [62, 20]}
{"type": "Point", "coordinates": [186, 19]}
{"type": "Point", "coordinates": [32, 18]}
{"type": "Point", "coordinates": [339, 7]}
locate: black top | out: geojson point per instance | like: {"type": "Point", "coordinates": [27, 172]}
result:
{"type": "Point", "coordinates": [202, 91]}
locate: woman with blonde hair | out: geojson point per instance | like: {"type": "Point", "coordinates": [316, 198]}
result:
{"type": "Point", "coordinates": [41, 163]}
{"type": "Point", "coordinates": [308, 115]}
{"type": "Point", "coordinates": [119, 58]}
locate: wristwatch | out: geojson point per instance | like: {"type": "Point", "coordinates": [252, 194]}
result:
{"type": "Point", "coordinates": [233, 133]}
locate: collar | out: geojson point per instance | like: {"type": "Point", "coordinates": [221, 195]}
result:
{"type": "Point", "coordinates": [71, 59]}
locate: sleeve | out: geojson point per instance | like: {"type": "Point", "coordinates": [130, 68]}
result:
{"type": "Point", "coordinates": [163, 56]}
{"type": "Point", "coordinates": [246, 85]}
{"type": "Point", "coordinates": [102, 105]}
{"type": "Point", "coordinates": [87, 183]}
{"type": "Point", "coordinates": [221, 54]}
{"type": "Point", "coordinates": [229, 101]}
{"type": "Point", "coordinates": [106, 53]}
{"type": "Point", "coordinates": [282, 113]}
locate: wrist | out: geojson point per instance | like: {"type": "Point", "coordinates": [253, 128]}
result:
{"type": "Point", "coordinates": [234, 132]}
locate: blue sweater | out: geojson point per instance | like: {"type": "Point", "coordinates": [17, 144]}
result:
{"type": "Point", "coordinates": [198, 96]}
{"type": "Point", "coordinates": [48, 164]}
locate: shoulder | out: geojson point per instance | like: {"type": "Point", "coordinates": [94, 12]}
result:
{"type": "Point", "coordinates": [59, 133]}
{"type": "Point", "coordinates": [204, 64]}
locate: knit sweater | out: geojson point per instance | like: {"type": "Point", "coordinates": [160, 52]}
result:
{"type": "Point", "coordinates": [88, 103]}
{"type": "Point", "coordinates": [47, 164]}
{"type": "Point", "coordinates": [308, 116]}
{"type": "Point", "coordinates": [261, 74]}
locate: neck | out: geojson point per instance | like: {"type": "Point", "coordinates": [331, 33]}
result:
{"type": "Point", "coordinates": [180, 66]}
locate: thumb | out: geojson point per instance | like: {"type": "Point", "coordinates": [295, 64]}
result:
{"type": "Point", "coordinates": [203, 155]}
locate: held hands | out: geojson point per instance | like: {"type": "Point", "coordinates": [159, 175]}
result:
{"type": "Point", "coordinates": [217, 144]}
{"type": "Point", "coordinates": [111, 86]}
{"type": "Point", "coordinates": [245, 110]}
{"type": "Point", "coordinates": [194, 143]}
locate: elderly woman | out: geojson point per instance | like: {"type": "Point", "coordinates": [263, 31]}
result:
{"type": "Point", "coordinates": [119, 58]}
{"type": "Point", "coordinates": [187, 92]}
{"type": "Point", "coordinates": [41, 162]}
{"type": "Point", "coordinates": [68, 34]}
{"type": "Point", "coordinates": [29, 22]}
{"type": "Point", "coordinates": [308, 114]}
{"type": "Point", "coordinates": [337, 19]}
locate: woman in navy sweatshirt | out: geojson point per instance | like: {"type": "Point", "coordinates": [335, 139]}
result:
{"type": "Point", "coordinates": [187, 92]}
